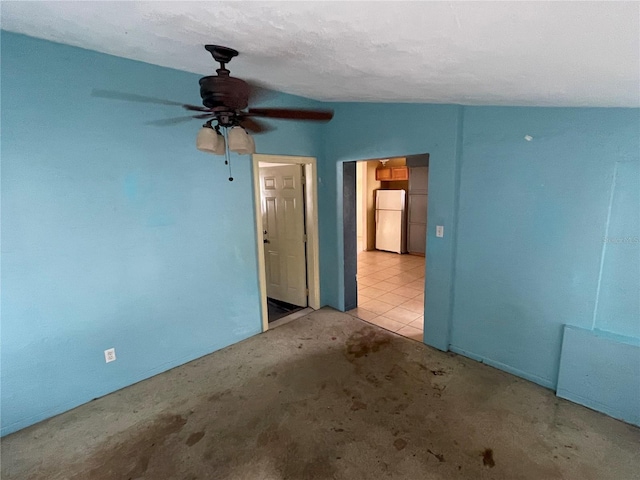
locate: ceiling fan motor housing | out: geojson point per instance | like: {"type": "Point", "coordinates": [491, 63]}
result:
{"type": "Point", "coordinates": [224, 91]}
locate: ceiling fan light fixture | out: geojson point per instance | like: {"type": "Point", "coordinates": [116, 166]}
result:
{"type": "Point", "coordinates": [210, 141]}
{"type": "Point", "coordinates": [240, 141]}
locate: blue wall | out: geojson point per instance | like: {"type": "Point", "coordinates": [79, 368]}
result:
{"type": "Point", "coordinates": [532, 219]}
{"type": "Point", "coordinates": [115, 233]}
{"type": "Point", "coordinates": [618, 300]}
{"type": "Point", "coordinates": [600, 368]}
{"type": "Point", "coordinates": [602, 371]}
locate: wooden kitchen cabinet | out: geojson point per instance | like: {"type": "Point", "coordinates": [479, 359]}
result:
{"type": "Point", "coordinates": [389, 174]}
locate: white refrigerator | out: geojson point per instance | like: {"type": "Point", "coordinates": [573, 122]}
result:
{"type": "Point", "coordinates": [390, 221]}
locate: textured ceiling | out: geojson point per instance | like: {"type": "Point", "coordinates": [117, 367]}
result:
{"type": "Point", "coordinates": [474, 53]}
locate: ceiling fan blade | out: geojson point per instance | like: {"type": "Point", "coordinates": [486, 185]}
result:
{"type": "Point", "coordinates": [197, 108]}
{"type": "Point", "coordinates": [132, 97]}
{"type": "Point", "coordinates": [255, 126]}
{"type": "Point", "coordinates": [292, 114]}
{"type": "Point", "coordinates": [165, 122]}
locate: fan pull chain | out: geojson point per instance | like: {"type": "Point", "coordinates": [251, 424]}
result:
{"type": "Point", "coordinates": [227, 156]}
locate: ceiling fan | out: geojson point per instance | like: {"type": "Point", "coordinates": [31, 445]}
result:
{"type": "Point", "coordinates": [225, 100]}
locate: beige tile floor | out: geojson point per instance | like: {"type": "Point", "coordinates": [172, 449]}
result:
{"type": "Point", "coordinates": [391, 292]}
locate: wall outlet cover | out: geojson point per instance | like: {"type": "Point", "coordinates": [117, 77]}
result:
{"type": "Point", "coordinates": [110, 355]}
{"type": "Point", "coordinates": [439, 231]}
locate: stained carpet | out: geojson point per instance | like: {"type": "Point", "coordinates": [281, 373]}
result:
{"type": "Point", "coordinates": [327, 396]}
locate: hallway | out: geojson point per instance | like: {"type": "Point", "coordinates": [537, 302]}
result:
{"type": "Point", "coordinates": [391, 292]}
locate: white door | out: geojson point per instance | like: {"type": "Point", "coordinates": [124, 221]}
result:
{"type": "Point", "coordinates": [282, 198]}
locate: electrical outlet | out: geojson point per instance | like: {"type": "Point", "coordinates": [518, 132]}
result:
{"type": "Point", "coordinates": [439, 231]}
{"type": "Point", "coordinates": [110, 355]}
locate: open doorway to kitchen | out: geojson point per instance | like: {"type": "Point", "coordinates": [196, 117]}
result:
{"type": "Point", "coordinates": [287, 236]}
{"type": "Point", "coordinates": [390, 217]}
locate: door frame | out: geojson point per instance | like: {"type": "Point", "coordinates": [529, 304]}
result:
{"type": "Point", "coordinates": [362, 169]}
{"type": "Point", "coordinates": [349, 287]}
{"type": "Point", "coordinates": [349, 235]}
{"type": "Point", "coordinates": [311, 227]}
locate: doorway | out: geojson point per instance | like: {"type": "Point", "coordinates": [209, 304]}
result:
{"type": "Point", "coordinates": [385, 263]}
{"type": "Point", "coordinates": [285, 198]}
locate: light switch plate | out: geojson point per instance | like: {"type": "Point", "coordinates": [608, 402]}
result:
{"type": "Point", "coordinates": [439, 231]}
